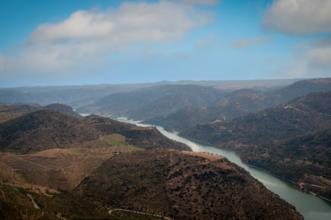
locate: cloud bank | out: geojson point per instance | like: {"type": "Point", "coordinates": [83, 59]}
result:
{"type": "Point", "coordinates": [316, 60]}
{"type": "Point", "coordinates": [201, 2]}
{"type": "Point", "coordinates": [299, 16]}
{"type": "Point", "coordinates": [87, 37]}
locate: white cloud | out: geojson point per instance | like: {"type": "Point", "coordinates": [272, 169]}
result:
{"type": "Point", "coordinates": [86, 37]}
{"type": "Point", "coordinates": [248, 42]}
{"type": "Point", "coordinates": [304, 17]}
{"type": "Point", "coordinates": [299, 16]}
{"type": "Point", "coordinates": [319, 58]}
{"type": "Point", "coordinates": [313, 59]}
{"type": "Point", "coordinates": [132, 22]}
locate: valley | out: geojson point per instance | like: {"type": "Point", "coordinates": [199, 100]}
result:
{"type": "Point", "coordinates": [55, 155]}
{"type": "Point", "coordinates": [165, 109]}
{"type": "Point", "coordinates": [115, 165]}
{"type": "Point", "coordinates": [310, 206]}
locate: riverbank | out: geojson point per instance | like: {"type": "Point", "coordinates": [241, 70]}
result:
{"type": "Point", "coordinates": [251, 165]}
{"type": "Point", "coordinates": [311, 207]}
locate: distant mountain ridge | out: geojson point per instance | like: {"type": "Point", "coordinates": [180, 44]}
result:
{"type": "Point", "coordinates": [155, 101]}
{"type": "Point", "coordinates": [82, 95]}
{"type": "Point", "coordinates": [74, 96]}
{"type": "Point", "coordinates": [239, 103]}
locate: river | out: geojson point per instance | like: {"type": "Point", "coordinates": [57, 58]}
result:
{"type": "Point", "coordinates": [311, 207]}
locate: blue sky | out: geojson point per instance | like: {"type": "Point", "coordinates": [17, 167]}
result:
{"type": "Point", "coordinates": [55, 42]}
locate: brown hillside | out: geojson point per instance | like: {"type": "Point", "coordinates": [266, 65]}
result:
{"type": "Point", "coordinates": [182, 186]}
{"type": "Point", "coordinates": [45, 129]}
{"type": "Point", "coordinates": [60, 169]}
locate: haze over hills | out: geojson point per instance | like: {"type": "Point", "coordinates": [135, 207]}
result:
{"type": "Point", "coordinates": [239, 103]}
{"type": "Point", "coordinates": [306, 114]}
{"type": "Point", "coordinates": [230, 106]}
{"type": "Point", "coordinates": [160, 103]}
{"type": "Point", "coordinates": [72, 95]}
{"type": "Point", "coordinates": [155, 101]}
{"type": "Point", "coordinates": [78, 96]}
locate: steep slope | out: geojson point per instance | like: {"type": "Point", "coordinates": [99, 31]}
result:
{"type": "Point", "coordinates": [307, 114]}
{"type": "Point", "coordinates": [156, 101]}
{"type": "Point", "coordinates": [290, 140]}
{"type": "Point", "coordinates": [183, 186]}
{"type": "Point", "coordinates": [239, 103]}
{"type": "Point", "coordinates": [230, 106]}
{"type": "Point", "coordinates": [304, 160]}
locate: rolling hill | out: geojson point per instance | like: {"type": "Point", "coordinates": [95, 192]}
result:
{"type": "Point", "coordinates": [42, 130]}
{"type": "Point", "coordinates": [45, 129]}
{"type": "Point", "coordinates": [156, 101]}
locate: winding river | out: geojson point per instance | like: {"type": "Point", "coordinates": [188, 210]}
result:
{"type": "Point", "coordinates": [311, 207]}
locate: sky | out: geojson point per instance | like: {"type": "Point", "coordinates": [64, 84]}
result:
{"type": "Point", "coordinates": [73, 42]}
